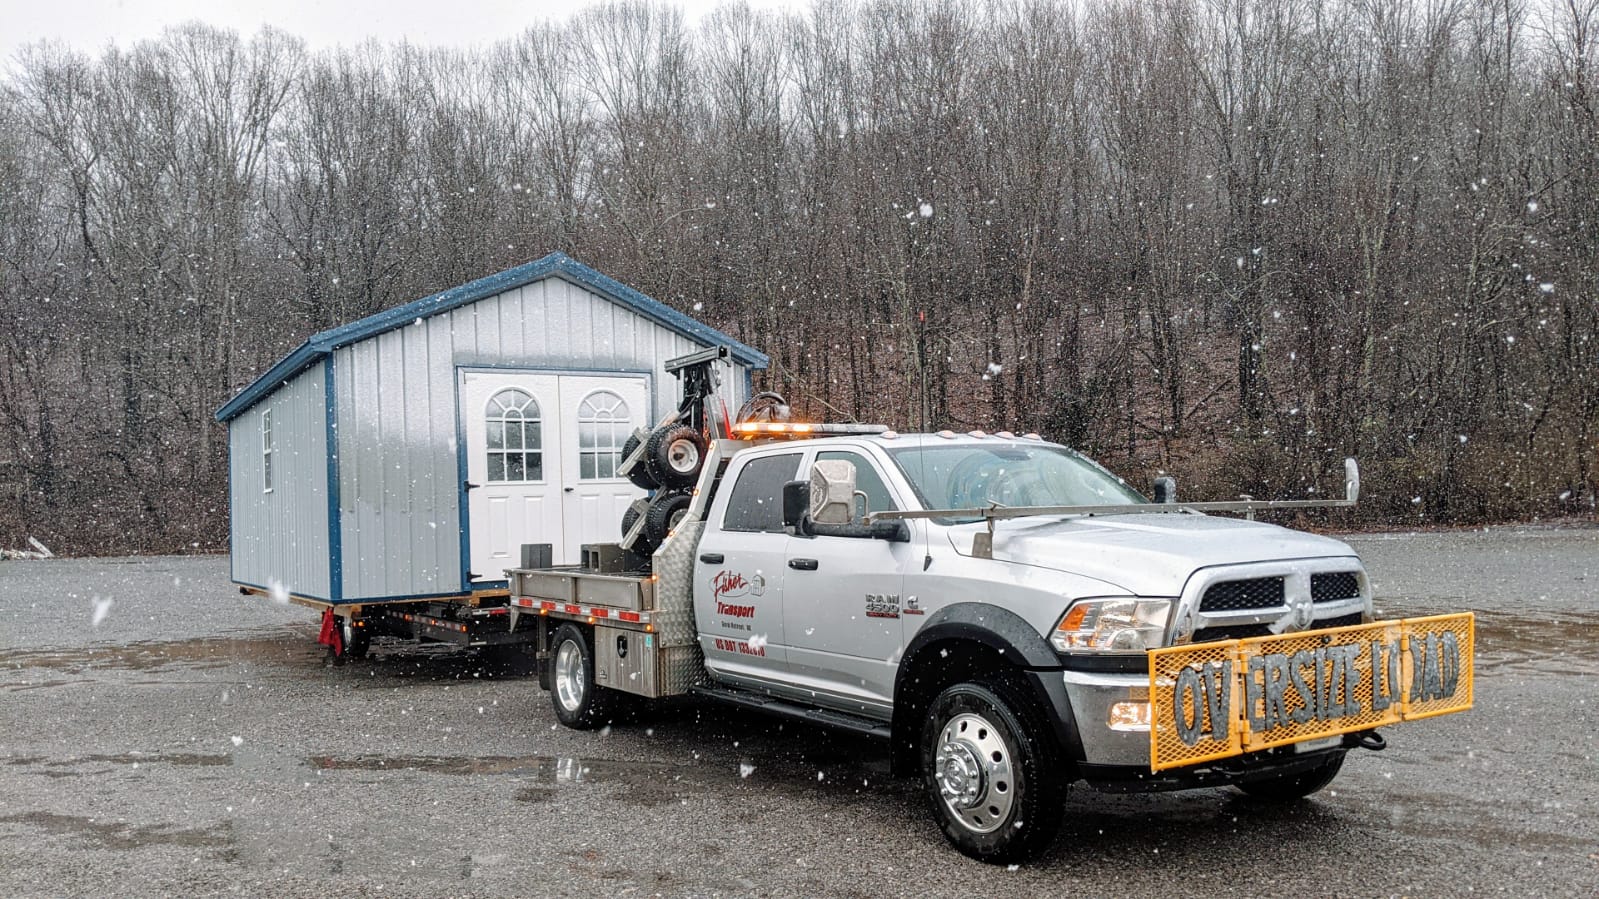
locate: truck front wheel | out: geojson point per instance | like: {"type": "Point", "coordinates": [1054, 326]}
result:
{"type": "Point", "coordinates": [991, 772]}
{"type": "Point", "coordinates": [579, 702]}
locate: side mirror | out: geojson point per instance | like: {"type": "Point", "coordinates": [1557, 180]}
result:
{"type": "Point", "coordinates": [796, 502]}
{"type": "Point", "coordinates": [833, 492]}
{"type": "Point", "coordinates": [1165, 490]}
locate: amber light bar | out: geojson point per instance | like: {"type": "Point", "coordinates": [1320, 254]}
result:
{"type": "Point", "coordinates": [800, 429]}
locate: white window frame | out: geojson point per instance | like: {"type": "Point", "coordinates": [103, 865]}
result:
{"type": "Point", "coordinates": [491, 417]}
{"type": "Point", "coordinates": [266, 451]}
{"type": "Point", "coordinates": [616, 429]}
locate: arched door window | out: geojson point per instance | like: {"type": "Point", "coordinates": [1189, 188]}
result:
{"type": "Point", "coordinates": [515, 439]}
{"type": "Point", "coordinates": [602, 429]}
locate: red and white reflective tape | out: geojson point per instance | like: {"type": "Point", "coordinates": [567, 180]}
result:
{"type": "Point", "coordinates": [546, 606]}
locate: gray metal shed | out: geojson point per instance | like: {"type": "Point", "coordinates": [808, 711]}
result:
{"type": "Point", "coordinates": [409, 455]}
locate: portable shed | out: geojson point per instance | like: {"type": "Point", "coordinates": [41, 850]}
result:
{"type": "Point", "coordinates": [410, 454]}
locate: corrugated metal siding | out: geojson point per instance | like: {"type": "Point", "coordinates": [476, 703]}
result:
{"type": "Point", "coordinates": [282, 536]}
{"type": "Point", "coordinates": [397, 423]}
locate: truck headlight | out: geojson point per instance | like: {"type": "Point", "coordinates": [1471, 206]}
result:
{"type": "Point", "coordinates": [1112, 625]}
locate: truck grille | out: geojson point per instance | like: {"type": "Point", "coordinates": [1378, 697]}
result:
{"type": "Point", "coordinates": [1335, 586]}
{"type": "Point", "coordinates": [1233, 596]}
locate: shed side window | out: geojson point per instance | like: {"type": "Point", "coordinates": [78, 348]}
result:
{"type": "Point", "coordinates": [515, 438]}
{"type": "Point", "coordinates": [602, 428]}
{"type": "Point", "coordinates": [266, 451]}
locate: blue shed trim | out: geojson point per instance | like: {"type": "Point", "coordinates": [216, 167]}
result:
{"type": "Point", "coordinates": [464, 511]}
{"type": "Point", "coordinates": [554, 265]}
{"type": "Point", "coordinates": [335, 523]}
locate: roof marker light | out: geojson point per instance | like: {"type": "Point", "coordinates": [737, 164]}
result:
{"type": "Point", "coordinates": [1005, 434]}
{"type": "Point", "coordinates": [947, 434]}
{"type": "Point", "coordinates": [1031, 436]}
{"type": "Point", "coordinates": [976, 433]}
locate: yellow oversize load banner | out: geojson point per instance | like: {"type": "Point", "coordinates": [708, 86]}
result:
{"type": "Point", "coordinates": [1215, 700]}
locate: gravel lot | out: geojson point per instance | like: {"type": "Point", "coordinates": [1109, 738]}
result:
{"type": "Point", "coordinates": [162, 735]}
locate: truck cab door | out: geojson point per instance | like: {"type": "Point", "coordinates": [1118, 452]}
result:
{"type": "Point", "coordinates": [739, 575]}
{"type": "Point", "coordinates": [842, 604]}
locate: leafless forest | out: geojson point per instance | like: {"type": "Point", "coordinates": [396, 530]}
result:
{"type": "Point", "coordinates": [1233, 239]}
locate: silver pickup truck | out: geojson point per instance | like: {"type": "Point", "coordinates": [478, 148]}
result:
{"type": "Point", "coordinates": [1008, 615]}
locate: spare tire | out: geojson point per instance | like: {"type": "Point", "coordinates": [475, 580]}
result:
{"type": "Point", "coordinates": [665, 513]}
{"type": "Point", "coordinates": [675, 455]}
{"type": "Point", "coordinates": [641, 475]}
{"type": "Point", "coordinates": [628, 519]}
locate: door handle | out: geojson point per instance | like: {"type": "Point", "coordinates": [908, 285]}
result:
{"type": "Point", "coordinates": [802, 564]}
{"type": "Point", "coordinates": [570, 489]}
{"type": "Point", "coordinates": [711, 558]}
{"type": "Point", "coordinates": [468, 485]}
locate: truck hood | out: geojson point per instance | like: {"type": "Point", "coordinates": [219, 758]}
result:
{"type": "Point", "coordinates": [1144, 555]}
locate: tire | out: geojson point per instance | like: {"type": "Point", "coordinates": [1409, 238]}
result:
{"type": "Point", "coordinates": [579, 702]}
{"type": "Point", "coordinates": [992, 773]}
{"type": "Point", "coordinates": [1294, 787]}
{"type": "Point", "coordinates": [629, 518]}
{"type": "Point", "coordinates": [675, 455]}
{"type": "Point", "coordinates": [357, 641]}
{"type": "Point", "coordinates": [664, 515]}
{"type": "Point", "coordinates": [641, 476]}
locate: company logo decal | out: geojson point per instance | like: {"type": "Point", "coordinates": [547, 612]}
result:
{"type": "Point", "coordinates": [729, 585]}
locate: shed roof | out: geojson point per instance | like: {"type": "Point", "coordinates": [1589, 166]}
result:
{"type": "Point", "coordinates": [321, 344]}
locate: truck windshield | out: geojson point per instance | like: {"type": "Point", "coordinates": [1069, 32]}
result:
{"type": "Point", "coordinates": [968, 476]}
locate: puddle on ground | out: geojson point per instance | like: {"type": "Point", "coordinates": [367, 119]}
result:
{"type": "Point", "coordinates": [258, 645]}
{"type": "Point", "coordinates": [55, 767]}
{"type": "Point", "coordinates": [1553, 644]}
{"type": "Point", "coordinates": [119, 835]}
{"type": "Point", "coordinates": [642, 783]}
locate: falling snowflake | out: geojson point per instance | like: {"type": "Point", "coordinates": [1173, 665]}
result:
{"type": "Point", "coordinates": [745, 769]}
{"type": "Point", "coordinates": [238, 741]}
{"type": "Point", "coordinates": [102, 608]}
{"type": "Point", "coordinates": [278, 592]}
{"type": "Point", "coordinates": [757, 641]}
{"type": "Point", "coordinates": [926, 210]}
{"type": "Point", "coordinates": [699, 307]}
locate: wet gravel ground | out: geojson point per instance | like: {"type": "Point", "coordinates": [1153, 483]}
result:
{"type": "Point", "coordinates": [196, 742]}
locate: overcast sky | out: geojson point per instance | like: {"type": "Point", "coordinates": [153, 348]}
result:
{"type": "Point", "coordinates": [91, 24]}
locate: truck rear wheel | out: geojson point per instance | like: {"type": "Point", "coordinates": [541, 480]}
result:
{"type": "Point", "coordinates": [579, 702]}
{"type": "Point", "coordinates": [1293, 787]}
{"type": "Point", "coordinates": [991, 772]}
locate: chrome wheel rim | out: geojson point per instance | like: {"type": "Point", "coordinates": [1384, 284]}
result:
{"type": "Point", "coordinates": [683, 456]}
{"type": "Point", "coordinates": [973, 770]}
{"type": "Point", "coordinates": [569, 682]}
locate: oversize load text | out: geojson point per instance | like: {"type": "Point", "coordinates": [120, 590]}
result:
{"type": "Point", "coordinates": [1214, 700]}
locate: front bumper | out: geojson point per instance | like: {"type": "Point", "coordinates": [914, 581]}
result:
{"type": "Point", "coordinates": [1118, 760]}
{"type": "Point", "coordinates": [1092, 693]}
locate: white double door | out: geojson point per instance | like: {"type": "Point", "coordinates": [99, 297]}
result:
{"type": "Point", "coordinates": [541, 456]}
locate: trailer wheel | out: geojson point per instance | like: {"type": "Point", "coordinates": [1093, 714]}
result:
{"type": "Point", "coordinates": [991, 772]}
{"type": "Point", "coordinates": [357, 639]}
{"type": "Point", "coordinates": [675, 455]}
{"type": "Point", "coordinates": [640, 475]}
{"type": "Point", "coordinates": [579, 702]}
{"type": "Point", "coordinates": [1293, 787]}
